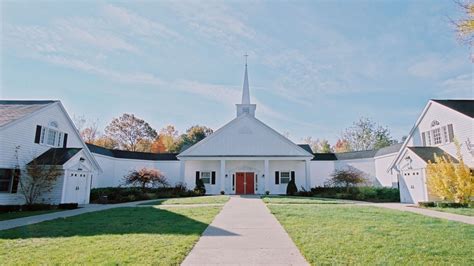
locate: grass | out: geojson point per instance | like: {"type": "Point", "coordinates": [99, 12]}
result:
{"type": "Point", "coordinates": [20, 214]}
{"type": "Point", "coordinates": [116, 236]}
{"type": "Point", "coordinates": [299, 200]}
{"type": "Point", "coordinates": [461, 211]}
{"type": "Point", "coordinates": [191, 200]}
{"type": "Point", "coordinates": [348, 234]}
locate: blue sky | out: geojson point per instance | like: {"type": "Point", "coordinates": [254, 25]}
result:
{"type": "Point", "coordinates": [314, 66]}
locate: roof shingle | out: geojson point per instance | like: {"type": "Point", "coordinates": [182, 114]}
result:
{"type": "Point", "coordinates": [11, 110]}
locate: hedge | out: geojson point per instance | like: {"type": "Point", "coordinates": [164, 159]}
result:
{"type": "Point", "coordinates": [37, 207]}
{"type": "Point", "coordinates": [128, 194]}
{"type": "Point", "coordinates": [372, 194]}
{"type": "Point", "coordinates": [443, 204]}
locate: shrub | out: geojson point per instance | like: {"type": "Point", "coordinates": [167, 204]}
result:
{"type": "Point", "coordinates": [267, 192]}
{"type": "Point", "coordinates": [291, 188]}
{"type": "Point", "coordinates": [451, 205]}
{"type": "Point", "coordinates": [200, 188]}
{"type": "Point", "coordinates": [67, 206]}
{"type": "Point", "coordinates": [37, 207]}
{"type": "Point", "coordinates": [373, 194]}
{"type": "Point", "coordinates": [145, 177]}
{"type": "Point", "coordinates": [10, 208]}
{"type": "Point", "coordinates": [222, 192]}
{"type": "Point", "coordinates": [427, 204]}
{"type": "Point", "coordinates": [449, 180]}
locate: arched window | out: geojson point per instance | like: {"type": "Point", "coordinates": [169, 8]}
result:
{"type": "Point", "coordinates": [53, 124]}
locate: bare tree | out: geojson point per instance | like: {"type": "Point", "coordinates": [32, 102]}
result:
{"type": "Point", "coordinates": [37, 178]}
{"type": "Point", "coordinates": [367, 135]}
{"type": "Point", "coordinates": [465, 25]}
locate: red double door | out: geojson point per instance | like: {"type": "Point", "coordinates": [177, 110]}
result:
{"type": "Point", "coordinates": [245, 183]}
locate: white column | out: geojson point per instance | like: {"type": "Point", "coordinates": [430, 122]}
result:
{"type": "Point", "coordinates": [181, 171]}
{"type": "Point", "coordinates": [222, 178]}
{"type": "Point", "coordinates": [267, 176]}
{"type": "Point", "coordinates": [307, 165]}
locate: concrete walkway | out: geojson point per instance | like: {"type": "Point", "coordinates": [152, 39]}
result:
{"type": "Point", "coordinates": [426, 212]}
{"type": "Point", "coordinates": [245, 232]}
{"type": "Point", "coordinates": [8, 224]}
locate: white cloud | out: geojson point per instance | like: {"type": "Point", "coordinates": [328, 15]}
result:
{"type": "Point", "coordinates": [434, 66]}
{"type": "Point", "coordinates": [461, 86]}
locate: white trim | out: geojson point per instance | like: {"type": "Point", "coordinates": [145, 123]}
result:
{"type": "Point", "coordinates": [220, 130]}
{"type": "Point", "coordinates": [410, 135]}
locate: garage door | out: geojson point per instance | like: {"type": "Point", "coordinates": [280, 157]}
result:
{"type": "Point", "coordinates": [413, 187]}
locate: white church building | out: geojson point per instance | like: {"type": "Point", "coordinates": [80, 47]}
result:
{"type": "Point", "coordinates": [245, 156]}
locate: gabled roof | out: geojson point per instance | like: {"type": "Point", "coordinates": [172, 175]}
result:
{"type": "Point", "coordinates": [427, 154]}
{"type": "Point", "coordinates": [306, 147]}
{"type": "Point", "coordinates": [12, 110]}
{"type": "Point", "coordinates": [55, 156]}
{"type": "Point", "coordinates": [132, 154]}
{"type": "Point", "coordinates": [324, 157]}
{"type": "Point", "coordinates": [388, 150]}
{"type": "Point", "coordinates": [245, 136]}
{"type": "Point", "coordinates": [463, 106]}
{"type": "Point", "coordinates": [356, 155]}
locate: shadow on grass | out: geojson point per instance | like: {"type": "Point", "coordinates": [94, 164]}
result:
{"type": "Point", "coordinates": [301, 200]}
{"type": "Point", "coordinates": [118, 221]}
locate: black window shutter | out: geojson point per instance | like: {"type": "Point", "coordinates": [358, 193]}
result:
{"type": "Point", "coordinates": [38, 134]}
{"type": "Point", "coordinates": [277, 177]}
{"type": "Point", "coordinates": [423, 138]}
{"type": "Point", "coordinates": [293, 175]}
{"type": "Point", "coordinates": [65, 141]}
{"type": "Point", "coordinates": [16, 180]}
{"type": "Point", "coordinates": [450, 132]}
{"type": "Point", "coordinates": [213, 178]}
{"type": "Point", "coordinates": [197, 177]}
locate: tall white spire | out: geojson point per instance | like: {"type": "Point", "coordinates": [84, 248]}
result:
{"type": "Point", "coordinates": [246, 108]}
{"type": "Point", "coordinates": [246, 91]}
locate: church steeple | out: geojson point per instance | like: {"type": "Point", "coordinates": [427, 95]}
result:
{"type": "Point", "coordinates": [246, 91]}
{"type": "Point", "coordinates": [246, 108]}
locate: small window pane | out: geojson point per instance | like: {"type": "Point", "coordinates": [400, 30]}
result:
{"type": "Point", "coordinates": [206, 177]}
{"type": "Point", "coordinates": [437, 136]}
{"type": "Point", "coordinates": [5, 179]}
{"type": "Point", "coordinates": [51, 137]}
{"type": "Point", "coordinates": [284, 177]}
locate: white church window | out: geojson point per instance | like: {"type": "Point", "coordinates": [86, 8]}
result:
{"type": "Point", "coordinates": [437, 136]}
{"type": "Point", "coordinates": [206, 177]}
{"type": "Point", "coordinates": [284, 177]}
{"type": "Point", "coordinates": [51, 136]}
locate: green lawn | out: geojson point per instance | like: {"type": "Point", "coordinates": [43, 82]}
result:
{"type": "Point", "coordinates": [191, 200]}
{"type": "Point", "coordinates": [462, 211]}
{"type": "Point", "coordinates": [349, 234]}
{"type": "Point", "coordinates": [13, 215]}
{"type": "Point", "coordinates": [299, 200]}
{"type": "Point", "coordinates": [116, 236]}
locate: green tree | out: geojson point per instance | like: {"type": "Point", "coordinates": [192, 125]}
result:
{"type": "Point", "coordinates": [325, 147]}
{"type": "Point", "coordinates": [128, 131]}
{"type": "Point", "coordinates": [193, 135]}
{"type": "Point", "coordinates": [367, 135]}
